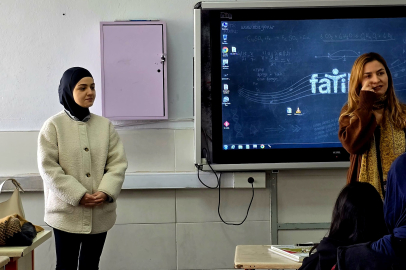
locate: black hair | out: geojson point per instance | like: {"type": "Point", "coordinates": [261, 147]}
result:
{"type": "Point", "coordinates": [358, 215]}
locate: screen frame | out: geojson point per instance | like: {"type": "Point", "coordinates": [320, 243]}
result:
{"type": "Point", "coordinates": [275, 158]}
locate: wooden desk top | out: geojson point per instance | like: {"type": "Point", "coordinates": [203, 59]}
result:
{"type": "Point", "coordinates": [259, 257]}
{"type": "Point", "coordinates": [22, 251]}
{"type": "Point", "coordinates": [4, 260]}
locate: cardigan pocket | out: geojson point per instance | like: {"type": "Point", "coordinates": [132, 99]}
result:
{"type": "Point", "coordinates": [56, 205]}
{"type": "Point", "coordinates": [108, 207]}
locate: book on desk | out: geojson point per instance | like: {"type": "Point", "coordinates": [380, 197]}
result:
{"type": "Point", "coordinates": [293, 252]}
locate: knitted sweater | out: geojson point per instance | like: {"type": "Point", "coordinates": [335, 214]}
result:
{"type": "Point", "coordinates": [75, 158]}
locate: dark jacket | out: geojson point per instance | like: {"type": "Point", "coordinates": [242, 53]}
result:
{"type": "Point", "coordinates": [356, 135]}
{"type": "Point", "coordinates": [362, 257]}
{"type": "Point", "coordinates": [325, 257]}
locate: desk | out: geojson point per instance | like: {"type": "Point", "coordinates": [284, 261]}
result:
{"type": "Point", "coordinates": [22, 258]}
{"type": "Point", "coordinates": [4, 260]}
{"type": "Point", "coordinates": [259, 257]}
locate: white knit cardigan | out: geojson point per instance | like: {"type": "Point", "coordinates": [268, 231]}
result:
{"type": "Point", "coordinates": [75, 158]}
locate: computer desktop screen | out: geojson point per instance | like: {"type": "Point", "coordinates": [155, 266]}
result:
{"type": "Point", "coordinates": [278, 85]}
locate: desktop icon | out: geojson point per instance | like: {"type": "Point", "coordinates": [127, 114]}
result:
{"type": "Point", "coordinates": [262, 146]}
{"type": "Point", "coordinates": [226, 92]}
{"type": "Point", "coordinates": [225, 147]}
{"type": "Point", "coordinates": [254, 146]}
{"type": "Point", "coordinates": [232, 146]}
{"type": "Point", "coordinates": [240, 147]}
{"type": "Point", "coordinates": [225, 37]}
{"type": "Point", "coordinates": [225, 50]}
{"type": "Point", "coordinates": [226, 99]}
{"type": "Point", "coordinates": [288, 110]}
{"type": "Point", "coordinates": [298, 110]}
{"type": "Point", "coordinates": [233, 49]}
{"type": "Point", "coordinates": [225, 86]}
{"type": "Point", "coordinates": [226, 124]}
{"type": "Point", "coordinates": [225, 62]}
{"type": "Point", "coordinates": [247, 146]}
{"type": "Point", "coordinates": [224, 24]}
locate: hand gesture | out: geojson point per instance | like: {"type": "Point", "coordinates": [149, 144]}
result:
{"type": "Point", "coordinates": [90, 200]}
{"type": "Point", "coordinates": [367, 86]}
{"type": "Point", "coordinates": [100, 195]}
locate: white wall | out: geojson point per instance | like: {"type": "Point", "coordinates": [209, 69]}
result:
{"type": "Point", "coordinates": [38, 43]}
{"type": "Point", "coordinates": [180, 229]}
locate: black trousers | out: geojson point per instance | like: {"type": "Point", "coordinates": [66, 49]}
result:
{"type": "Point", "coordinates": [73, 247]}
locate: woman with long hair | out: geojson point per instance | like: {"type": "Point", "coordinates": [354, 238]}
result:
{"type": "Point", "coordinates": [387, 253]}
{"type": "Point", "coordinates": [372, 123]}
{"type": "Point", "coordinates": [82, 163]}
{"type": "Point", "coordinates": [357, 218]}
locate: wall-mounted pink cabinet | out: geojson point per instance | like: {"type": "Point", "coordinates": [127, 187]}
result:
{"type": "Point", "coordinates": [134, 70]}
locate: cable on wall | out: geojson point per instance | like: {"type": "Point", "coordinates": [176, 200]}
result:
{"type": "Point", "coordinates": [199, 167]}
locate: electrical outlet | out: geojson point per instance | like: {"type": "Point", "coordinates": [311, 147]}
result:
{"type": "Point", "coordinates": [241, 179]}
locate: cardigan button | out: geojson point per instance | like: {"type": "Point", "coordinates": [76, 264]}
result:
{"type": "Point", "coordinates": [87, 149]}
{"type": "Point", "coordinates": [88, 174]}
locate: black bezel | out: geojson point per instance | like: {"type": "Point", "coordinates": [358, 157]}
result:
{"type": "Point", "coordinates": [288, 155]}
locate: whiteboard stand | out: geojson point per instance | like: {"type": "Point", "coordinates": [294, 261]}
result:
{"type": "Point", "coordinates": [272, 179]}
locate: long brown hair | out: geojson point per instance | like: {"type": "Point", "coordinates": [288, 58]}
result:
{"type": "Point", "coordinates": [395, 109]}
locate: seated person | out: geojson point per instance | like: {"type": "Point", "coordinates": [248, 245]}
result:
{"type": "Point", "coordinates": [357, 218]}
{"type": "Point", "coordinates": [389, 252]}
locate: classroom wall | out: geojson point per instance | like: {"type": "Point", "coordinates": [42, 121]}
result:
{"type": "Point", "coordinates": [41, 39]}
{"type": "Point", "coordinates": [180, 228]}
{"type": "Point", "coordinates": [155, 229]}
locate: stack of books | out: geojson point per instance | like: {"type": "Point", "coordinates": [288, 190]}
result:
{"type": "Point", "coordinates": [293, 252]}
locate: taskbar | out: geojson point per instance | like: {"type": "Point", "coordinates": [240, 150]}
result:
{"type": "Point", "coordinates": [280, 146]}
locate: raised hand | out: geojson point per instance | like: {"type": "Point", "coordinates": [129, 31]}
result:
{"type": "Point", "coordinates": [367, 86]}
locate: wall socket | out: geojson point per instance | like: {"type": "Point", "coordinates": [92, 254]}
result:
{"type": "Point", "coordinates": [241, 179]}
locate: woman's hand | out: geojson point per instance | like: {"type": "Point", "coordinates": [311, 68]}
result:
{"type": "Point", "coordinates": [367, 87]}
{"type": "Point", "coordinates": [91, 200]}
{"type": "Point", "coordinates": [100, 195]}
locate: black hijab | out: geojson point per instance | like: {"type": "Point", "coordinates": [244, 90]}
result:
{"type": "Point", "coordinates": [68, 82]}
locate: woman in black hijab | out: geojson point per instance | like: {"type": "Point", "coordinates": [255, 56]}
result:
{"type": "Point", "coordinates": [68, 82]}
{"type": "Point", "coordinates": [82, 162]}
